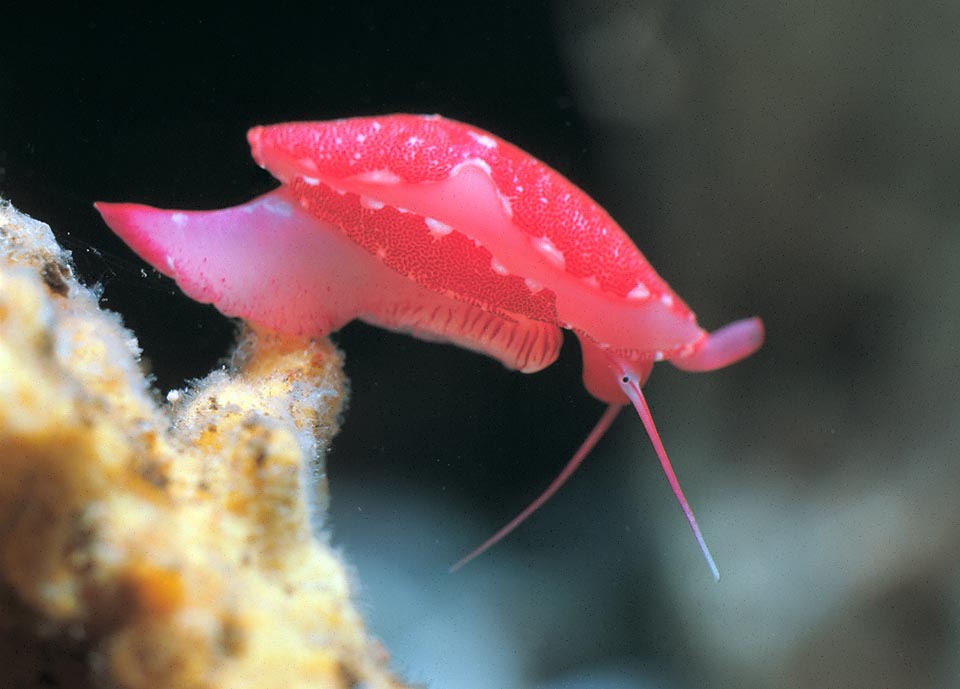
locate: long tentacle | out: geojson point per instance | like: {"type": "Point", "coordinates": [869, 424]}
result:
{"type": "Point", "coordinates": [631, 388]}
{"type": "Point", "coordinates": [601, 427]}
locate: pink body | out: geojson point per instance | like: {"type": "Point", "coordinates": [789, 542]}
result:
{"type": "Point", "coordinates": [433, 227]}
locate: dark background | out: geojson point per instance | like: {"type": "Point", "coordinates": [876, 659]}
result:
{"type": "Point", "coordinates": [797, 161]}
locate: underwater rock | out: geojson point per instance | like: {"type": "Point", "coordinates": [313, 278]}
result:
{"type": "Point", "coordinates": [157, 545]}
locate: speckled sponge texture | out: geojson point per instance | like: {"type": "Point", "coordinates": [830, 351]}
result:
{"type": "Point", "coordinates": [148, 544]}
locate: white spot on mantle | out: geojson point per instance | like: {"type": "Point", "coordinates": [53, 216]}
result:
{"type": "Point", "coordinates": [179, 219]}
{"type": "Point", "coordinates": [666, 300]}
{"type": "Point", "coordinates": [640, 292]}
{"type": "Point", "coordinates": [482, 139]}
{"type": "Point", "coordinates": [312, 181]}
{"type": "Point", "coordinates": [372, 204]}
{"type": "Point", "coordinates": [379, 177]}
{"type": "Point", "coordinates": [437, 228]}
{"type": "Point", "coordinates": [498, 267]}
{"type": "Point", "coordinates": [532, 285]}
{"type": "Point", "coordinates": [549, 251]}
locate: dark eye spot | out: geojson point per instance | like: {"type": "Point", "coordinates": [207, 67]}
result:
{"type": "Point", "coordinates": [625, 379]}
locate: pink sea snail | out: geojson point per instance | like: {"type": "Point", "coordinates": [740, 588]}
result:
{"type": "Point", "coordinates": [444, 231]}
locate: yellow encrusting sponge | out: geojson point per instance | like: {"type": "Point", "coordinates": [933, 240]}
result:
{"type": "Point", "coordinates": [162, 545]}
